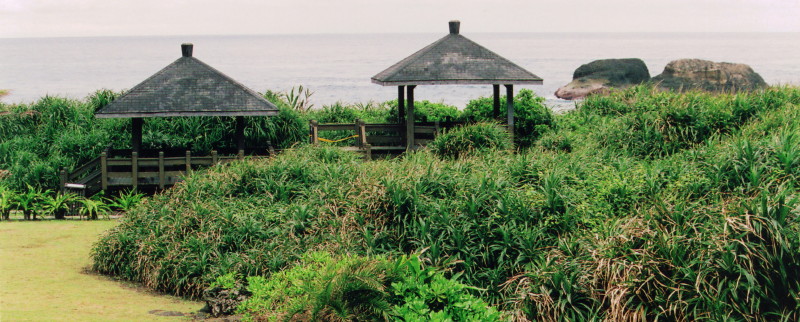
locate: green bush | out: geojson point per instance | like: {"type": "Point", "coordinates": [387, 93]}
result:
{"type": "Point", "coordinates": [531, 117]}
{"type": "Point", "coordinates": [322, 287]}
{"type": "Point", "coordinates": [650, 123]}
{"type": "Point", "coordinates": [341, 113]}
{"type": "Point", "coordinates": [425, 294]}
{"type": "Point", "coordinates": [427, 111]}
{"type": "Point", "coordinates": [468, 139]}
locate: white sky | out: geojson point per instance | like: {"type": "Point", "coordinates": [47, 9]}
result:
{"type": "Point", "coordinates": [57, 18]}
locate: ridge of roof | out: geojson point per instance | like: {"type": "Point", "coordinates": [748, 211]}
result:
{"type": "Point", "coordinates": [188, 87]}
{"type": "Point", "coordinates": [429, 67]}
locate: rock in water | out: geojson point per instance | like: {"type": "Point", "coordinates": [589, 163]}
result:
{"type": "Point", "coordinates": [600, 75]}
{"type": "Point", "coordinates": [689, 74]}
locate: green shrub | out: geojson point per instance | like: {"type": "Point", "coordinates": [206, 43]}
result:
{"type": "Point", "coordinates": [126, 200]}
{"type": "Point", "coordinates": [468, 139]}
{"type": "Point", "coordinates": [656, 124]}
{"type": "Point", "coordinates": [58, 204]}
{"type": "Point", "coordinates": [341, 113]}
{"type": "Point", "coordinates": [425, 294]}
{"type": "Point", "coordinates": [427, 111]}
{"type": "Point", "coordinates": [531, 117]}
{"type": "Point", "coordinates": [6, 202]}
{"type": "Point", "coordinates": [322, 287]}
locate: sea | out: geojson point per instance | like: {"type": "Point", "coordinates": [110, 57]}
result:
{"type": "Point", "coordinates": [338, 67]}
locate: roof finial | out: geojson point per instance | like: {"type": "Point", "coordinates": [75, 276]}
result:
{"type": "Point", "coordinates": [454, 26]}
{"type": "Point", "coordinates": [186, 49]}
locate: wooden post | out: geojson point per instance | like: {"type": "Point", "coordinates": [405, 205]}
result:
{"type": "Point", "coordinates": [401, 104]}
{"type": "Point", "coordinates": [240, 133]}
{"type": "Point", "coordinates": [135, 169]}
{"type": "Point", "coordinates": [410, 119]}
{"type": "Point", "coordinates": [510, 107]}
{"type": "Point", "coordinates": [496, 91]}
{"type": "Point", "coordinates": [104, 170]}
{"type": "Point", "coordinates": [63, 180]}
{"type": "Point", "coordinates": [136, 134]}
{"type": "Point", "coordinates": [314, 132]}
{"type": "Point", "coordinates": [188, 161]}
{"type": "Point", "coordinates": [361, 132]}
{"type": "Point", "coordinates": [214, 157]}
{"type": "Point", "coordinates": [161, 175]}
{"type": "Point", "coordinates": [240, 154]}
{"type": "Point", "coordinates": [368, 151]}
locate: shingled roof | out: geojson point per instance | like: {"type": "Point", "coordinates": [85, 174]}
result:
{"type": "Point", "coordinates": [455, 59]}
{"type": "Point", "coordinates": [188, 87]}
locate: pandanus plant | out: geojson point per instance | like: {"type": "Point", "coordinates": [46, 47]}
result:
{"type": "Point", "coordinates": [28, 202]}
{"type": "Point", "coordinates": [126, 200]}
{"type": "Point", "coordinates": [58, 204]}
{"type": "Point", "coordinates": [6, 202]}
{"type": "Point", "coordinates": [93, 208]}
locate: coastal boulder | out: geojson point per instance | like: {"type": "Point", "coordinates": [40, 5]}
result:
{"type": "Point", "coordinates": [600, 75]}
{"type": "Point", "coordinates": [689, 74]}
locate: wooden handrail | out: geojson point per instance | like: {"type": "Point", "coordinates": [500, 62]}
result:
{"type": "Point", "coordinates": [135, 170]}
{"type": "Point", "coordinates": [84, 169]}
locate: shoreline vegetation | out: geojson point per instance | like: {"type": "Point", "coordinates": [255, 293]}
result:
{"type": "Point", "coordinates": [639, 204]}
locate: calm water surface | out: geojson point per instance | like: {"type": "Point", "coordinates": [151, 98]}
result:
{"type": "Point", "coordinates": [339, 67]}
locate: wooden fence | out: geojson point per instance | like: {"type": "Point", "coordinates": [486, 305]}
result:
{"type": "Point", "coordinates": [109, 170]}
{"type": "Point", "coordinates": [379, 137]}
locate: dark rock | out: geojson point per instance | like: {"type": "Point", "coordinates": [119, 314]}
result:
{"type": "Point", "coordinates": [221, 301]}
{"type": "Point", "coordinates": [690, 74]}
{"type": "Point", "coordinates": [601, 75]}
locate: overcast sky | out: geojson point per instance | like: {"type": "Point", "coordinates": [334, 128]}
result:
{"type": "Point", "coordinates": [57, 18]}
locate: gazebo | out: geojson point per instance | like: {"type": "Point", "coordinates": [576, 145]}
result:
{"type": "Point", "coordinates": [453, 60]}
{"type": "Point", "coordinates": [186, 87]}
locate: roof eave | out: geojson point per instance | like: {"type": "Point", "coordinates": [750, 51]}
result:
{"type": "Point", "coordinates": [187, 113]}
{"type": "Point", "coordinates": [460, 82]}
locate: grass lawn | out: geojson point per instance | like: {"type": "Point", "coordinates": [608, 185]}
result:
{"type": "Point", "coordinates": [43, 277]}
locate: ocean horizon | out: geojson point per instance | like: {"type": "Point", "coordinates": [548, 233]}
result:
{"type": "Point", "coordinates": [338, 67]}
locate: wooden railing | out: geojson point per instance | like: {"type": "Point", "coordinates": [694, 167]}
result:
{"type": "Point", "coordinates": [87, 175]}
{"type": "Point", "coordinates": [380, 136]}
{"type": "Point", "coordinates": [116, 168]}
{"type": "Point", "coordinates": [162, 170]}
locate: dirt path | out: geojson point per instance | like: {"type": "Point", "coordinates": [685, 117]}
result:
{"type": "Point", "coordinates": [42, 278]}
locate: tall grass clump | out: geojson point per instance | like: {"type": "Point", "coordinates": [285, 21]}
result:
{"type": "Point", "coordinates": [692, 217]}
{"type": "Point", "coordinates": [469, 139]}
{"type": "Point", "coordinates": [652, 123]}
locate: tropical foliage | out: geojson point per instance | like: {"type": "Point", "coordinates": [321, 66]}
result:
{"type": "Point", "coordinates": [640, 204]}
